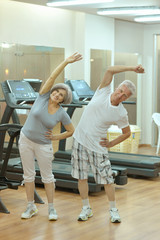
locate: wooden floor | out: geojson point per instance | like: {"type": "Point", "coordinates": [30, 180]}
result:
{"type": "Point", "coordinates": [147, 150]}
{"type": "Point", "coordinates": [138, 203]}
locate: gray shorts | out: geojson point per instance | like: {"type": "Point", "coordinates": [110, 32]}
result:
{"type": "Point", "coordinates": [83, 160]}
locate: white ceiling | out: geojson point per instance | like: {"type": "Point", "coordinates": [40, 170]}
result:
{"type": "Point", "coordinates": [92, 8]}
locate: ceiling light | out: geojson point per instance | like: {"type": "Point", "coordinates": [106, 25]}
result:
{"type": "Point", "coordinates": [6, 45]}
{"type": "Point", "coordinates": [151, 18]}
{"type": "Point", "coordinates": [129, 10]}
{"type": "Point", "coordinates": [59, 3]}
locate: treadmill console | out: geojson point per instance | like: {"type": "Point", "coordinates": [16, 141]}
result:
{"type": "Point", "coordinates": [35, 83]}
{"type": "Point", "coordinates": [80, 90]}
{"type": "Point", "coordinates": [22, 91]}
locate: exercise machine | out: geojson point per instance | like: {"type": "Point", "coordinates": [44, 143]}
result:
{"type": "Point", "coordinates": [136, 164]}
{"type": "Point", "coordinates": [61, 165]}
{"type": "Point", "coordinates": [12, 131]}
{"type": "Point", "coordinates": [81, 94]}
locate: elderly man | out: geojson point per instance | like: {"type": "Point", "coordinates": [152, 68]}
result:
{"type": "Point", "coordinates": [90, 145]}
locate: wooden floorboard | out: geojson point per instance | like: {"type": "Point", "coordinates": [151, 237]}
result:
{"type": "Point", "coordinates": [138, 203]}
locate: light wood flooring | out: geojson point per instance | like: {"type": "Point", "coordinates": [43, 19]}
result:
{"type": "Point", "coordinates": [138, 203]}
{"type": "Point", "coordinates": [147, 150]}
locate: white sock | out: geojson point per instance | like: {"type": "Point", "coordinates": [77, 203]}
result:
{"type": "Point", "coordinates": [112, 204]}
{"type": "Point", "coordinates": [50, 206]}
{"type": "Point", "coordinates": [31, 202]}
{"type": "Point", "coordinates": [86, 202]}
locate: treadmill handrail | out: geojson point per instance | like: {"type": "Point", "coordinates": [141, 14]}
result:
{"type": "Point", "coordinates": [6, 126]}
{"type": "Point", "coordinates": [14, 132]}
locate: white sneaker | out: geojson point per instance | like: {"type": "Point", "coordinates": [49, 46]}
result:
{"type": "Point", "coordinates": [114, 216]}
{"type": "Point", "coordinates": [30, 211]}
{"type": "Point", "coordinates": [52, 215]}
{"type": "Point", "coordinates": [85, 214]}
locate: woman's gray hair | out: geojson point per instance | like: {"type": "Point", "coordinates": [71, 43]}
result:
{"type": "Point", "coordinates": [68, 95]}
{"type": "Point", "coordinates": [130, 85]}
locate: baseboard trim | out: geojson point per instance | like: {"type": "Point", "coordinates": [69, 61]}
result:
{"type": "Point", "coordinates": [145, 145]}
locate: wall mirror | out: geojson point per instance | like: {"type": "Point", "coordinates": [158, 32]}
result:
{"type": "Point", "coordinates": [22, 61]}
{"type": "Point", "coordinates": [100, 60]}
{"type": "Point", "coordinates": [19, 62]}
{"type": "Point", "coordinates": [156, 86]}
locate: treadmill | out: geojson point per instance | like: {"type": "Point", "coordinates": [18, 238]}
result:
{"type": "Point", "coordinates": [61, 165]}
{"type": "Point", "coordinates": [82, 94]}
{"type": "Point", "coordinates": [15, 90]}
{"type": "Point", "coordinates": [136, 164]}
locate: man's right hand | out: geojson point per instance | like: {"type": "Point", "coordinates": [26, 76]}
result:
{"type": "Point", "coordinates": [139, 69]}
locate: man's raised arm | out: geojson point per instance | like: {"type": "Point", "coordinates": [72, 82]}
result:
{"type": "Point", "coordinates": [108, 76]}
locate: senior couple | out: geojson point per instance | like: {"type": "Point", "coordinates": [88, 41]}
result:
{"type": "Point", "coordinates": [89, 138]}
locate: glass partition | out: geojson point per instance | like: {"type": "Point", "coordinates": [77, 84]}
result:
{"type": "Point", "coordinates": [19, 62]}
{"type": "Point", "coordinates": [130, 145]}
{"type": "Point", "coordinates": [156, 86]}
{"type": "Point", "coordinates": [127, 59]}
{"type": "Point", "coordinates": [100, 60]}
{"type": "Point", "coordinates": [22, 61]}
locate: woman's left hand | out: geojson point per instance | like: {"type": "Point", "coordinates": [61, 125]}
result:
{"type": "Point", "coordinates": [49, 135]}
{"type": "Point", "coordinates": [74, 58]}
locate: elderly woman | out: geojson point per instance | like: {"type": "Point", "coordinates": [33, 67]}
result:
{"type": "Point", "coordinates": [36, 136]}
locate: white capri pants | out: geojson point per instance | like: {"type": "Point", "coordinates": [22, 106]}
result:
{"type": "Point", "coordinates": [44, 155]}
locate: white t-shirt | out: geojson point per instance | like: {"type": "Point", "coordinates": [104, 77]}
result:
{"type": "Point", "coordinates": [97, 117]}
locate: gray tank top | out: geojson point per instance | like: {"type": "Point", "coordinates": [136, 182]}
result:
{"type": "Point", "coordinates": [39, 120]}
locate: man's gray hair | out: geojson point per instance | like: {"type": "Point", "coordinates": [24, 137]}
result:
{"type": "Point", "coordinates": [130, 85]}
{"type": "Point", "coordinates": [68, 96]}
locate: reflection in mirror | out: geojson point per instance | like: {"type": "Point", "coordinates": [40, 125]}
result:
{"type": "Point", "coordinates": [35, 62]}
{"type": "Point", "coordinates": [20, 62]}
{"type": "Point", "coordinates": [156, 86]}
{"type": "Point", "coordinates": [157, 105]}
{"type": "Point", "coordinates": [131, 103]}
{"type": "Point", "coordinates": [130, 145]}
{"type": "Point", "coordinates": [100, 60]}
